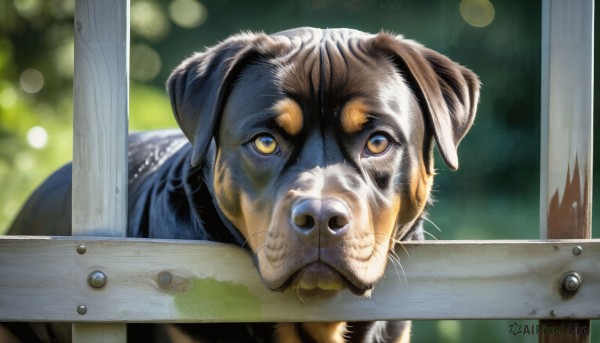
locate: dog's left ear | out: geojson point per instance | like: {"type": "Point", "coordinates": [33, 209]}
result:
{"type": "Point", "coordinates": [198, 87]}
{"type": "Point", "coordinates": [448, 93]}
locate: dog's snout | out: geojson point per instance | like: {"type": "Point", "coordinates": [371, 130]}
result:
{"type": "Point", "coordinates": [322, 215]}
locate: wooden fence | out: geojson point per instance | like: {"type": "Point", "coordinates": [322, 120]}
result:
{"type": "Point", "coordinates": [100, 284]}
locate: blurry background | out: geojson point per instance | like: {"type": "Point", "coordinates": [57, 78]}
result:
{"type": "Point", "coordinates": [494, 195]}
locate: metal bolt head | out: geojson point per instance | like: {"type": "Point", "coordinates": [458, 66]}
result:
{"type": "Point", "coordinates": [164, 279]}
{"type": "Point", "coordinates": [81, 309]}
{"type": "Point", "coordinates": [81, 249]}
{"type": "Point", "coordinates": [97, 279]}
{"type": "Point", "coordinates": [577, 250]}
{"type": "Point", "coordinates": [571, 282]}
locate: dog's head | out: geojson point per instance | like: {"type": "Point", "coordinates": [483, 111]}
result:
{"type": "Point", "coordinates": [323, 145]}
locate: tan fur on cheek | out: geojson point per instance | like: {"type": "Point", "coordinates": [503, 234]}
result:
{"type": "Point", "coordinates": [414, 201]}
{"type": "Point", "coordinates": [289, 116]}
{"type": "Point", "coordinates": [228, 197]}
{"type": "Point", "coordinates": [354, 116]}
{"type": "Point", "coordinates": [421, 187]}
{"type": "Point", "coordinates": [385, 221]}
{"type": "Point", "coordinates": [238, 207]}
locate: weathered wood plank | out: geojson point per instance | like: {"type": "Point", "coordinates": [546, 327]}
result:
{"type": "Point", "coordinates": [567, 124]}
{"type": "Point", "coordinates": [192, 281]}
{"type": "Point", "coordinates": [101, 100]}
{"type": "Point", "coordinates": [567, 119]}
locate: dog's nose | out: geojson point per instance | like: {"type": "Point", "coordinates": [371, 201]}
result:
{"type": "Point", "coordinates": [327, 216]}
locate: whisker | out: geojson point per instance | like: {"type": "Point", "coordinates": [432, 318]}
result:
{"type": "Point", "coordinates": [254, 252]}
{"type": "Point", "coordinates": [394, 257]}
{"type": "Point", "coordinates": [430, 235]}
{"type": "Point", "coordinates": [403, 248]}
{"type": "Point", "coordinates": [396, 261]}
{"type": "Point", "coordinates": [252, 236]}
{"type": "Point", "coordinates": [300, 297]}
{"type": "Point", "coordinates": [432, 223]}
{"type": "Point", "coordinates": [395, 241]}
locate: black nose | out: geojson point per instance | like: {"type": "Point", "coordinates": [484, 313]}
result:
{"type": "Point", "coordinates": [324, 215]}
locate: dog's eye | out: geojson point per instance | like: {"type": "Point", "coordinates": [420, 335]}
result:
{"type": "Point", "coordinates": [265, 144]}
{"type": "Point", "coordinates": [377, 144]}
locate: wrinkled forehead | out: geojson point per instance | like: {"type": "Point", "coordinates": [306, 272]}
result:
{"type": "Point", "coordinates": [334, 65]}
{"type": "Point", "coordinates": [321, 75]}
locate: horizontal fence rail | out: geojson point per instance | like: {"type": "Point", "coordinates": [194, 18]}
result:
{"type": "Point", "coordinates": [84, 279]}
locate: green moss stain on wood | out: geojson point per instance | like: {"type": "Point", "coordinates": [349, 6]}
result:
{"type": "Point", "coordinates": [217, 299]}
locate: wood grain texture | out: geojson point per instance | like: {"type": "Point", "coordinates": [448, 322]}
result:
{"type": "Point", "coordinates": [100, 128]}
{"type": "Point", "coordinates": [567, 119]}
{"type": "Point", "coordinates": [101, 90]}
{"type": "Point", "coordinates": [567, 124]}
{"type": "Point", "coordinates": [194, 281]}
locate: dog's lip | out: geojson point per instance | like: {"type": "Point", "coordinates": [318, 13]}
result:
{"type": "Point", "coordinates": [319, 277]}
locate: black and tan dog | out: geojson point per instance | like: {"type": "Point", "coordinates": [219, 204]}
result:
{"type": "Point", "coordinates": [312, 148]}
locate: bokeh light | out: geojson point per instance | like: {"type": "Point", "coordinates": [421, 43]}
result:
{"type": "Point", "coordinates": [450, 330]}
{"type": "Point", "coordinates": [187, 13]}
{"type": "Point", "coordinates": [8, 97]}
{"type": "Point", "coordinates": [145, 63]}
{"type": "Point", "coordinates": [477, 13]}
{"type": "Point", "coordinates": [37, 137]}
{"type": "Point", "coordinates": [148, 20]}
{"type": "Point", "coordinates": [62, 8]}
{"type": "Point", "coordinates": [31, 81]}
{"type": "Point", "coordinates": [28, 8]}
{"type": "Point", "coordinates": [24, 161]}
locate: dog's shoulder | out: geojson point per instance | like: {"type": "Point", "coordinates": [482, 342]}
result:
{"type": "Point", "coordinates": [150, 154]}
{"type": "Point", "coordinates": [48, 209]}
{"type": "Point", "coordinates": [150, 150]}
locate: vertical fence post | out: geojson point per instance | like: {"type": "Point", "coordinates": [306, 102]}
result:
{"type": "Point", "coordinates": [566, 146]}
{"type": "Point", "coordinates": [101, 101]}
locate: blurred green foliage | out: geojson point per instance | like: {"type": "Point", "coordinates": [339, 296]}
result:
{"type": "Point", "coordinates": [493, 196]}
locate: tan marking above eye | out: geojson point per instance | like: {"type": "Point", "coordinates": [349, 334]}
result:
{"type": "Point", "coordinates": [289, 116]}
{"type": "Point", "coordinates": [354, 116]}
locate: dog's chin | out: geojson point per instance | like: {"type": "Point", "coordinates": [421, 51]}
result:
{"type": "Point", "coordinates": [320, 280]}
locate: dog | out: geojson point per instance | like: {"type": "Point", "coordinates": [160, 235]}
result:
{"type": "Point", "coordinates": [312, 148]}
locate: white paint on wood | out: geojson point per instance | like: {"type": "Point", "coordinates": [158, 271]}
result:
{"type": "Point", "coordinates": [218, 282]}
{"type": "Point", "coordinates": [567, 98]}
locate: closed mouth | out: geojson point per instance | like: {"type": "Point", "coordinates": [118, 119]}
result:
{"type": "Point", "coordinates": [321, 279]}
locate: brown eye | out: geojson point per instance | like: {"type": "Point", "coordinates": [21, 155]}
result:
{"type": "Point", "coordinates": [265, 144]}
{"type": "Point", "coordinates": [377, 144]}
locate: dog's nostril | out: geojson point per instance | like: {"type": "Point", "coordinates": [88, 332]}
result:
{"type": "Point", "coordinates": [338, 222]}
{"type": "Point", "coordinates": [304, 221]}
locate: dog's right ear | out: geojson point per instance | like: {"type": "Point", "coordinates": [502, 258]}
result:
{"type": "Point", "coordinates": [199, 86]}
{"type": "Point", "coordinates": [448, 93]}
